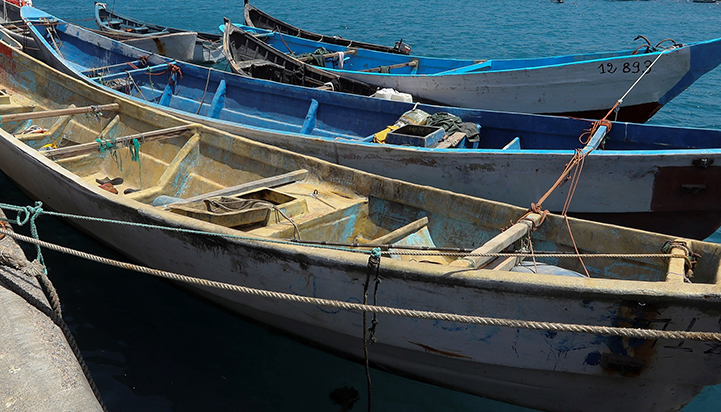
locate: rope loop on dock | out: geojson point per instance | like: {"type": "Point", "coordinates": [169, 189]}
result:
{"type": "Point", "coordinates": [24, 215]}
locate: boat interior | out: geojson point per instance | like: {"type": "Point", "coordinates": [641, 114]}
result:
{"type": "Point", "coordinates": [142, 155]}
{"type": "Point", "coordinates": [207, 175]}
{"type": "Point", "coordinates": [364, 60]}
{"type": "Point", "coordinates": [228, 97]}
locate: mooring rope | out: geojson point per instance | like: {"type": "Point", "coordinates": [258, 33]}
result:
{"type": "Point", "coordinates": [386, 310]}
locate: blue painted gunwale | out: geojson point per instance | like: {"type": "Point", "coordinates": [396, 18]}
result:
{"type": "Point", "coordinates": [274, 113]}
{"type": "Point", "coordinates": [431, 66]}
{"type": "Point", "coordinates": [264, 104]}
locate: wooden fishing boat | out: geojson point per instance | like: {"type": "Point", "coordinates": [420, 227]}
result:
{"type": "Point", "coordinates": [313, 230]}
{"type": "Point", "coordinates": [12, 26]}
{"type": "Point", "coordinates": [255, 17]}
{"type": "Point", "coordinates": [664, 179]}
{"type": "Point", "coordinates": [175, 43]}
{"type": "Point", "coordinates": [249, 56]}
{"type": "Point", "coordinates": [584, 85]}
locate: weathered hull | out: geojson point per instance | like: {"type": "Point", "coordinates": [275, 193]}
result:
{"type": "Point", "coordinates": [167, 41]}
{"type": "Point", "coordinates": [257, 18]}
{"type": "Point", "coordinates": [575, 85]}
{"type": "Point", "coordinates": [643, 170]}
{"type": "Point", "coordinates": [179, 46]}
{"type": "Point", "coordinates": [10, 26]}
{"type": "Point", "coordinates": [525, 367]}
{"type": "Point", "coordinates": [530, 368]}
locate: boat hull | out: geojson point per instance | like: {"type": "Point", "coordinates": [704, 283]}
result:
{"type": "Point", "coordinates": [534, 368]}
{"type": "Point", "coordinates": [174, 43]}
{"type": "Point", "coordinates": [617, 186]}
{"type": "Point", "coordinates": [528, 368]}
{"type": "Point", "coordinates": [179, 46]}
{"type": "Point", "coordinates": [585, 86]}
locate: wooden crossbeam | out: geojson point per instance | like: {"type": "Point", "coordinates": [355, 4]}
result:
{"type": "Point", "coordinates": [402, 232]}
{"type": "Point", "coordinates": [677, 266]}
{"type": "Point", "coordinates": [269, 182]}
{"type": "Point", "coordinates": [64, 152]}
{"type": "Point", "coordinates": [60, 112]}
{"type": "Point", "coordinates": [499, 243]}
{"type": "Point", "coordinates": [450, 141]}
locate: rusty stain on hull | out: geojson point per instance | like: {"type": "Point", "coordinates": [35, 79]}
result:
{"type": "Point", "coordinates": [160, 45]}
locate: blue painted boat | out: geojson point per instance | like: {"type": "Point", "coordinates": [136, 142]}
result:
{"type": "Point", "coordinates": [665, 179]}
{"type": "Point", "coordinates": [584, 85]}
{"type": "Point", "coordinates": [633, 335]}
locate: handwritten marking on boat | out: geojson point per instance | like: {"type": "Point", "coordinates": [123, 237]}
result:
{"type": "Point", "coordinates": [438, 351]}
{"type": "Point", "coordinates": [626, 67]}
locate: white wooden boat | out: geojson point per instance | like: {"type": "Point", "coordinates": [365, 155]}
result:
{"type": "Point", "coordinates": [664, 179]}
{"type": "Point", "coordinates": [582, 85]}
{"type": "Point", "coordinates": [186, 166]}
{"type": "Point", "coordinates": [176, 45]}
{"type": "Point", "coordinates": [179, 44]}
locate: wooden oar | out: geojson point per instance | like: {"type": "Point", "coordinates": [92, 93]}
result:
{"type": "Point", "coordinates": [392, 66]}
{"type": "Point", "coordinates": [327, 56]}
{"type": "Point", "coordinates": [75, 150]}
{"type": "Point", "coordinates": [59, 112]}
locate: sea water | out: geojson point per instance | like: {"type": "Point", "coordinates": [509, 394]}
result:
{"type": "Point", "coordinates": [153, 347]}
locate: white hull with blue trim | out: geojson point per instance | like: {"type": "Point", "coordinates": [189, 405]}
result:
{"type": "Point", "coordinates": [657, 178]}
{"type": "Point", "coordinates": [583, 85]}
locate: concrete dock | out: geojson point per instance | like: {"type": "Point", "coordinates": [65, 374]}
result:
{"type": "Point", "coordinates": [38, 370]}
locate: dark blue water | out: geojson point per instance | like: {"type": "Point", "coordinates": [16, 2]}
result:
{"type": "Point", "coordinates": [153, 347]}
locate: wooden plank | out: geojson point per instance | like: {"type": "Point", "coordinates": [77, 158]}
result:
{"type": "Point", "coordinates": [269, 182]}
{"type": "Point", "coordinates": [502, 264]}
{"type": "Point", "coordinates": [499, 243]}
{"type": "Point", "coordinates": [401, 232]}
{"type": "Point", "coordinates": [64, 152]}
{"type": "Point", "coordinates": [59, 112]}
{"type": "Point", "coordinates": [450, 141]}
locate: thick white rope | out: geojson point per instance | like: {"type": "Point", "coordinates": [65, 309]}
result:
{"type": "Point", "coordinates": [409, 313]}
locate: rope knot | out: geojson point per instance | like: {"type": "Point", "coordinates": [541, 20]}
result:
{"type": "Point", "coordinates": [29, 213]}
{"type": "Point", "coordinates": [174, 73]}
{"type": "Point", "coordinates": [374, 260]}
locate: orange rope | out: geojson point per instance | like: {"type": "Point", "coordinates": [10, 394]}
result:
{"type": "Point", "coordinates": [572, 172]}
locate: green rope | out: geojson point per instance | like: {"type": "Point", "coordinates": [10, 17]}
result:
{"type": "Point", "coordinates": [135, 151]}
{"type": "Point", "coordinates": [110, 146]}
{"type": "Point", "coordinates": [24, 215]}
{"type": "Point", "coordinates": [135, 156]}
{"type": "Point", "coordinates": [177, 229]}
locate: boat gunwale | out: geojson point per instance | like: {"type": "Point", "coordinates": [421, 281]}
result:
{"type": "Point", "coordinates": [703, 294]}
{"type": "Point", "coordinates": [572, 58]}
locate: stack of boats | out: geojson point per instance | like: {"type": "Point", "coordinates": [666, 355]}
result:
{"type": "Point", "coordinates": [269, 186]}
